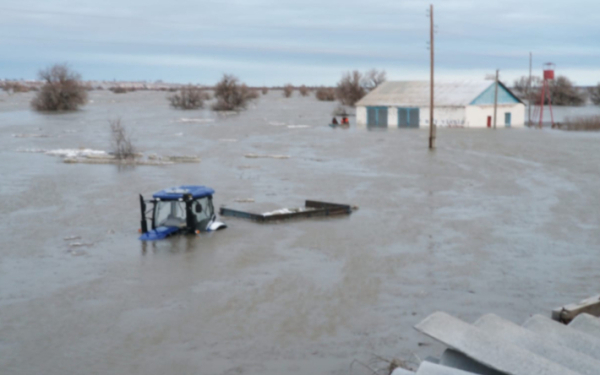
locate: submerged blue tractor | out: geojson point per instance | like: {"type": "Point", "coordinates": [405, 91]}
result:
{"type": "Point", "coordinates": [182, 209]}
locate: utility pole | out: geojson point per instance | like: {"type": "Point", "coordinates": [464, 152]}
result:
{"type": "Point", "coordinates": [529, 89]}
{"type": "Point", "coordinates": [496, 99]}
{"type": "Point", "coordinates": [431, 124]}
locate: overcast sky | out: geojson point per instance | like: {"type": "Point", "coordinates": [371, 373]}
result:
{"type": "Point", "coordinates": [272, 42]}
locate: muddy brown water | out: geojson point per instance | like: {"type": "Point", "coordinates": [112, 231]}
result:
{"type": "Point", "coordinates": [499, 221]}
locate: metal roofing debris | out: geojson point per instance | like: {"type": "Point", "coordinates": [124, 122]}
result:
{"type": "Point", "coordinates": [486, 348]}
{"type": "Point", "coordinates": [549, 329]}
{"type": "Point", "coordinates": [532, 342]}
{"type": "Point", "coordinates": [586, 323]}
{"type": "Point", "coordinates": [428, 368]}
{"type": "Point", "coordinates": [457, 360]}
{"type": "Point", "coordinates": [416, 93]}
{"type": "Point", "coordinates": [401, 371]}
{"type": "Point", "coordinates": [494, 346]}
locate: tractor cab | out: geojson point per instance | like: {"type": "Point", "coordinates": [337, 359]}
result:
{"type": "Point", "coordinates": [183, 209]}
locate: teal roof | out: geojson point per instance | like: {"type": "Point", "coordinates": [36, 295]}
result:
{"type": "Point", "coordinates": [504, 96]}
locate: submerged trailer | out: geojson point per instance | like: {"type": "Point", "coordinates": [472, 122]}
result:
{"type": "Point", "coordinates": [310, 209]}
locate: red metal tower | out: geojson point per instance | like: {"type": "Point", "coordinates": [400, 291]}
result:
{"type": "Point", "coordinates": [548, 76]}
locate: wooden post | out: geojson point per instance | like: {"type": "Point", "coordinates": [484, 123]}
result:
{"type": "Point", "coordinates": [496, 99]}
{"type": "Point", "coordinates": [431, 101]}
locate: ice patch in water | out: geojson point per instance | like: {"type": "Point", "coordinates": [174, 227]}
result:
{"type": "Point", "coordinates": [199, 120]}
{"type": "Point", "coordinates": [178, 134]}
{"type": "Point", "coordinates": [76, 153]}
{"type": "Point", "coordinates": [227, 140]}
{"type": "Point", "coordinates": [298, 126]}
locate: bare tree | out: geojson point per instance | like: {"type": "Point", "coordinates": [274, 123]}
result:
{"type": "Point", "coordinates": [304, 91]}
{"type": "Point", "coordinates": [264, 90]}
{"type": "Point", "coordinates": [189, 97]}
{"type": "Point", "coordinates": [120, 140]}
{"type": "Point", "coordinates": [62, 90]}
{"type": "Point", "coordinates": [373, 78]}
{"type": "Point", "coordinates": [326, 94]}
{"type": "Point", "coordinates": [524, 91]}
{"type": "Point", "coordinates": [232, 95]}
{"type": "Point", "coordinates": [349, 89]}
{"type": "Point", "coordinates": [562, 91]}
{"type": "Point", "coordinates": [288, 89]}
{"type": "Point", "coordinates": [595, 94]}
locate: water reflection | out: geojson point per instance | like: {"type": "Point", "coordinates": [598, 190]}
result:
{"type": "Point", "coordinates": [177, 244]}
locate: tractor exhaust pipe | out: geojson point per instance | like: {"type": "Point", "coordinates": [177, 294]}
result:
{"type": "Point", "coordinates": [144, 224]}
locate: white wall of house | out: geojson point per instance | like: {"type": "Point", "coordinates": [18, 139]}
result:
{"type": "Point", "coordinates": [477, 115]}
{"type": "Point", "coordinates": [361, 117]}
{"type": "Point", "coordinates": [443, 116]}
{"type": "Point", "coordinates": [469, 116]}
{"type": "Point", "coordinates": [392, 117]}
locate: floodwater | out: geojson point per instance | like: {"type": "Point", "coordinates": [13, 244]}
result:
{"type": "Point", "coordinates": [503, 221]}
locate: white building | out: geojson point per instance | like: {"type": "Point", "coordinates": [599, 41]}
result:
{"type": "Point", "coordinates": [457, 104]}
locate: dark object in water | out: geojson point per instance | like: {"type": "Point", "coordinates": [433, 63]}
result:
{"type": "Point", "coordinates": [310, 209]}
{"type": "Point", "coordinates": [182, 209]}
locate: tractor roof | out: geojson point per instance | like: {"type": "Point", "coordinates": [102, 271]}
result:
{"type": "Point", "coordinates": [177, 192]}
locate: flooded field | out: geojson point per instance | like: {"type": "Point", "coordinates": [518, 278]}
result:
{"type": "Point", "coordinates": [502, 221]}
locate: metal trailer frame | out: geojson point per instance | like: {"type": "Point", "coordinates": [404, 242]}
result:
{"type": "Point", "coordinates": [318, 209]}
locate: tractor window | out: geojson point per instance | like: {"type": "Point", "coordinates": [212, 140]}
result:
{"type": "Point", "coordinates": [170, 214]}
{"type": "Point", "coordinates": [203, 209]}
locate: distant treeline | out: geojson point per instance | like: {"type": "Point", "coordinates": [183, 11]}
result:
{"type": "Point", "coordinates": [60, 88]}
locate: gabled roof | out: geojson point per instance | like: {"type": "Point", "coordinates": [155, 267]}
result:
{"type": "Point", "coordinates": [416, 93]}
{"type": "Point", "coordinates": [176, 193]}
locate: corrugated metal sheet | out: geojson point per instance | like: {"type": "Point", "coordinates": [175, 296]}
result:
{"type": "Point", "coordinates": [416, 93]}
{"type": "Point", "coordinates": [496, 346]}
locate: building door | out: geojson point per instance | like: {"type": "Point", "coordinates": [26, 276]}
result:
{"type": "Point", "coordinates": [408, 117]}
{"type": "Point", "coordinates": [413, 118]}
{"type": "Point", "coordinates": [507, 119]}
{"type": "Point", "coordinates": [377, 117]}
{"type": "Point", "coordinates": [489, 121]}
{"type": "Point", "coordinates": [403, 117]}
